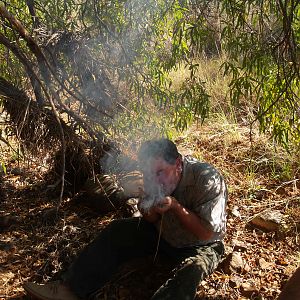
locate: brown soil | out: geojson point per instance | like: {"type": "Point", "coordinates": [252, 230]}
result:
{"type": "Point", "coordinates": [37, 245]}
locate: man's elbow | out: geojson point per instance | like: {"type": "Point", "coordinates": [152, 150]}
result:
{"type": "Point", "coordinates": [206, 235]}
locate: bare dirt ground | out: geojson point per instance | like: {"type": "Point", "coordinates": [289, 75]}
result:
{"type": "Point", "coordinates": [36, 246]}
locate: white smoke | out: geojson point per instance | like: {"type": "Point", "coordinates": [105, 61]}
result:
{"type": "Point", "coordinates": [153, 195]}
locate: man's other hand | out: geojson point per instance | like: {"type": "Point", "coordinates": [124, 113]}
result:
{"type": "Point", "coordinates": [150, 214]}
{"type": "Point", "coordinates": [167, 203]}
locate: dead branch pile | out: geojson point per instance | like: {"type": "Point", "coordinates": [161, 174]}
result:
{"type": "Point", "coordinates": [37, 130]}
{"type": "Point", "coordinates": [60, 97]}
{"type": "Point", "coordinates": [34, 126]}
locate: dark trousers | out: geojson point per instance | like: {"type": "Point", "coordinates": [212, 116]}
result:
{"type": "Point", "coordinates": [130, 238]}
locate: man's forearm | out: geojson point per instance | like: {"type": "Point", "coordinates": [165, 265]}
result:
{"type": "Point", "coordinates": [191, 222]}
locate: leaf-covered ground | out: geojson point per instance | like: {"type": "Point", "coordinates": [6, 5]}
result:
{"type": "Point", "coordinates": [36, 246]}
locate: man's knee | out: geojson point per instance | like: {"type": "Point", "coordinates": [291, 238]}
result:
{"type": "Point", "coordinates": [204, 263]}
{"type": "Point", "coordinates": [123, 233]}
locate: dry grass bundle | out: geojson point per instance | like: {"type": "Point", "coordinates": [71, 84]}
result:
{"type": "Point", "coordinates": [82, 161]}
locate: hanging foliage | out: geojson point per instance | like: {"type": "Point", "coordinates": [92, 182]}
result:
{"type": "Point", "coordinates": [99, 62]}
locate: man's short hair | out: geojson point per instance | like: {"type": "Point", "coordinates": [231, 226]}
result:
{"type": "Point", "coordinates": [158, 148]}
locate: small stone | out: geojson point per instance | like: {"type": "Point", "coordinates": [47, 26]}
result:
{"type": "Point", "coordinates": [268, 221]}
{"type": "Point", "coordinates": [247, 268]}
{"type": "Point", "coordinates": [248, 289]}
{"type": "Point", "coordinates": [204, 283]}
{"type": "Point", "coordinates": [211, 291]}
{"type": "Point", "coordinates": [264, 264]}
{"type": "Point", "coordinates": [237, 262]}
{"type": "Point", "coordinates": [234, 263]}
{"type": "Point", "coordinates": [235, 282]}
{"type": "Point", "coordinates": [239, 246]}
{"type": "Point", "coordinates": [235, 212]}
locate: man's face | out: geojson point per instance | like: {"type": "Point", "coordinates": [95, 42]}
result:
{"type": "Point", "coordinates": [160, 175]}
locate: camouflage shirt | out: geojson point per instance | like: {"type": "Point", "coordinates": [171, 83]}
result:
{"type": "Point", "coordinates": [202, 190]}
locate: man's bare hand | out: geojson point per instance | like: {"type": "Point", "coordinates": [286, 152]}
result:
{"type": "Point", "coordinates": [150, 214]}
{"type": "Point", "coordinates": [165, 204]}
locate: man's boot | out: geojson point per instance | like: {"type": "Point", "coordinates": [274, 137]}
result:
{"type": "Point", "coordinates": [50, 291]}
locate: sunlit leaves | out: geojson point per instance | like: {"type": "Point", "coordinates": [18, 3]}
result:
{"type": "Point", "coordinates": [261, 44]}
{"type": "Point", "coordinates": [191, 104]}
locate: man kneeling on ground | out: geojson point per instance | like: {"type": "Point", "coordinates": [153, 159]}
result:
{"type": "Point", "coordinates": [184, 201]}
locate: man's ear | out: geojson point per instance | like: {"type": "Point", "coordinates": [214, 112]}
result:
{"type": "Point", "coordinates": [178, 161]}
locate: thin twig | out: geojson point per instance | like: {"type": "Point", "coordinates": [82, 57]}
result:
{"type": "Point", "coordinates": [159, 236]}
